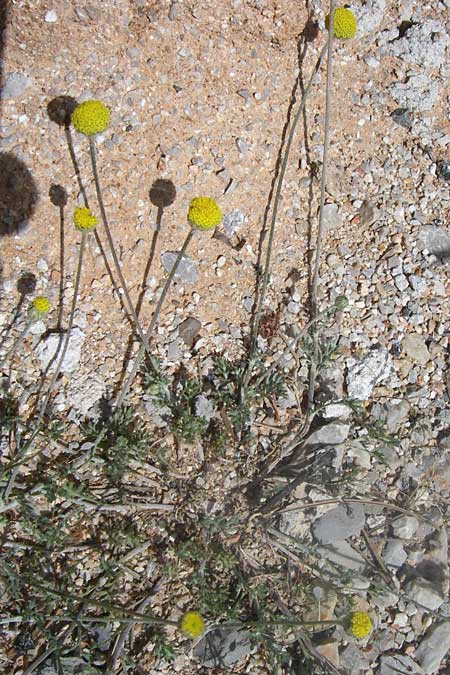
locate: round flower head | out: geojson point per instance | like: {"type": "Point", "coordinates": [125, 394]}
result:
{"type": "Point", "coordinates": [204, 213]}
{"type": "Point", "coordinates": [90, 117]}
{"type": "Point", "coordinates": [39, 307]}
{"type": "Point", "coordinates": [344, 23]}
{"type": "Point", "coordinates": [192, 624]}
{"type": "Point", "coordinates": [360, 624]}
{"type": "Point", "coordinates": [83, 219]}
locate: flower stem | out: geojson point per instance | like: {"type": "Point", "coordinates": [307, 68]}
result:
{"type": "Point", "coordinates": [283, 167]}
{"type": "Point", "coordinates": [124, 390]}
{"type": "Point", "coordinates": [323, 182]}
{"type": "Point", "coordinates": [19, 459]}
{"type": "Point", "coordinates": [17, 342]}
{"type": "Point", "coordinates": [131, 308]}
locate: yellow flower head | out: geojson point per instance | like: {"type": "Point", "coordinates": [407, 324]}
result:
{"type": "Point", "coordinates": [90, 117]}
{"type": "Point", "coordinates": [344, 23]}
{"type": "Point", "coordinates": [83, 219]}
{"type": "Point", "coordinates": [192, 624]}
{"type": "Point", "coordinates": [204, 213]}
{"type": "Point", "coordinates": [39, 307]}
{"type": "Point", "coordinates": [360, 624]}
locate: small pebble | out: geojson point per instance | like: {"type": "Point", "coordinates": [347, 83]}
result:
{"type": "Point", "coordinates": [51, 16]}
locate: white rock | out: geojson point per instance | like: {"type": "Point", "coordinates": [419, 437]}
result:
{"type": "Point", "coordinates": [405, 527]}
{"type": "Point", "coordinates": [336, 411]}
{"type": "Point", "coordinates": [434, 646]}
{"type": "Point", "coordinates": [401, 619]}
{"type": "Point", "coordinates": [46, 351]}
{"type": "Point", "coordinates": [50, 16]}
{"type": "Point", "coordinates": [364, 375]}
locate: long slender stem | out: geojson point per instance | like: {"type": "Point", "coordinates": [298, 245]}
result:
{"type": "Point", "coordinates": [17, 342]}
{"type": "Point", "coordinates": [276, 202]}
{"type": "Point", "coordinates": [323, 182]}
{"type": "Point", "coordinates": [124, 390]}
{"type": "Point", "coordinates": [131, 308]}
{"type": "Point", "coordinates": [29, 444]}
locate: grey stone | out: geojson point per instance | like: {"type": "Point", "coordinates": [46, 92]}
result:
{"type": "Point", "coordinates": [331, 384]}
{"type": "Point", "coordinates": [339, 555]}
{"type": "Point", "coordinates": [443, 169]}
{"type": "Point", "coordinates": [419, 92]}
{"type": "Point", "coordinates": [369, 213]}
{"type": "Point", "coordinates": [15, 85]}
{"type": "Point", "coordinates": [394, 555]}
{"type": "Point", "coordinates": [332, 217]}
{"type": "Point", "coordinates": [365, 374]}
{"type": "Point", "coordinates": [402, 116]}
{"type": "Point", "coordinates": [47, 349]}
{"type": "Point", "coordinates": [384, 599]}
{"type": "Point", "coordinates": [418, 284]}
{"type": "Point", "coordinates": [398, 664]}
{"type": "Point", "coordinates": [405, 527]}
{"type": "Point", "coordinates": [189, 329]}
{"type": "Point", "coordinates": [424, 593]}
{"type": "Point", "coordinates": [444, 439]}
{"type": "Point", "coordinates": [434, 647]}
{"type": "Point", "coordinates": [415, 347]}
{"type": "Point", "coordinates": [339, 523]}
{"type": "Point", "coordinates": [424, 44]}
{"type": "Point", "coordinates": [173, 11]}
{"type": "Point", "coordinates": [436, 240]}
{"type": "Point", "coordinates": [222, 647]}
{"type": "Point", "coordinates": [174, 350]}
{"type": "Point", "coordinates": [396, 413]}
{"type": "Point", "coordinates": [242, 146]}
{"type": "Point", "coordinates": [232, 221]}
{"type": "Point", "coordinates": [329, 434]}
{"type": "Point", "coordinates": [204, 407]}
{"type": "Point", "coordinates": [186, 270]}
